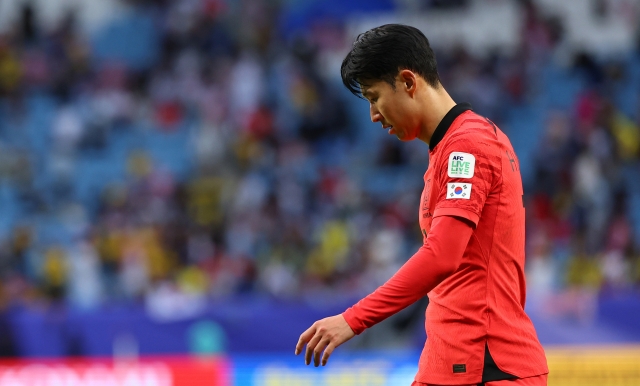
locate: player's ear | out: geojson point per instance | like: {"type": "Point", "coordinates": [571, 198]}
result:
{"type": "Point", "coordinates": [408, 81]}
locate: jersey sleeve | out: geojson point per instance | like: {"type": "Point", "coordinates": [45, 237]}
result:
{"type": "Point", "coordinates": [438, 258]}
{"type": "Point", "coordinates": [466, 173]}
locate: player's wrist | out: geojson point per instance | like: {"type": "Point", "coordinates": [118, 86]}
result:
{"type": "Point", "coordinates": [351, 317]}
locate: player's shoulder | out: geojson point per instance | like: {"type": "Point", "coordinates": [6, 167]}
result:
{"type": "Point", "coordinates": [475, 138]}
{"type": "Point", "coordinates": [472, 132]}
{"type": "Point", "coordinates": [474, 126]}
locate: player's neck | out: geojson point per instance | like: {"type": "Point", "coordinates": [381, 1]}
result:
{"type": "Point", "coordinates": [437, 104]}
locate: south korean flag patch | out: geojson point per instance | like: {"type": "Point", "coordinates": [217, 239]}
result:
{"type": "Point", "coordinates": [458, 190]}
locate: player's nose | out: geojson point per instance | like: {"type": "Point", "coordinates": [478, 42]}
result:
{"type": "Point", "coordinates": [374, 113]}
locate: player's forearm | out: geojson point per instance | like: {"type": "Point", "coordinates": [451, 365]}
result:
{"type": "Point", "coordinates": [437, 259]}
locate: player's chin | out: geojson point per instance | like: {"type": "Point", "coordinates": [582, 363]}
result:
{"type": "Point", "coordinates": [404, 137]}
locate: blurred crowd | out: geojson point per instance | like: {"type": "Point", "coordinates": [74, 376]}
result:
{"type": "Point", "coordinates": [278, 197]}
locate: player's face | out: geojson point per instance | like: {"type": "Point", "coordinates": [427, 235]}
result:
{"type": "Point", "coordinates": [393, 108]}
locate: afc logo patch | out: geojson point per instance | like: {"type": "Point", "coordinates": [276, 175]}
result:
{"type": "Point", "coordinates": [461, 165]}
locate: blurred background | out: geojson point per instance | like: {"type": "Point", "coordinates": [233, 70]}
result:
{"type": "Point", "coordinates": [185, 185]}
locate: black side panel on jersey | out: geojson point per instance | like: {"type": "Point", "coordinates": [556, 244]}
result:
{"type": "Point", "coordinates": [490, 371]}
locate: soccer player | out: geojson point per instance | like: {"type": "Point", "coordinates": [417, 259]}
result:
{"type": "Point", "coordinates": [472, 215]}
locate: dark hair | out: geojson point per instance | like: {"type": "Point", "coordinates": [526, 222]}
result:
{"type": "Point", "coordinates": [381, 52]}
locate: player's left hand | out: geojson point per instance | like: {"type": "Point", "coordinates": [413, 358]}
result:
{"type": "Point", "coordinates": [324, 335]}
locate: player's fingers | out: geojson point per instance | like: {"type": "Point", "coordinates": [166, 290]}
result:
{"type": "Point", "coordinates": [327, 353]}
{"type": "Point", "coordinates": [311, 345]}
{"type": "Point", "coordinates": [304, 338]}
{"type": "Point", "coordinates": [317, 351]}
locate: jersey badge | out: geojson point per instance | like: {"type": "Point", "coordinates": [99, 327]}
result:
{"type": "Point", "coordinates": [457, 190]}
{"type": "Point", "coordinates": [461, 165]}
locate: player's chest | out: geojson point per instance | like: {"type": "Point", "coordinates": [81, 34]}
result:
{"type": "Point", "coordinates": [428, 200]}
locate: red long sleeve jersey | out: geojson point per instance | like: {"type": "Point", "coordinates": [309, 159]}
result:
{"type": "Point", "coordinates": [479, 307]}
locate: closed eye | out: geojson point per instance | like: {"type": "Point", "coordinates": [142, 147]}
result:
{"type": "Point", "coordinates": [368, 96]}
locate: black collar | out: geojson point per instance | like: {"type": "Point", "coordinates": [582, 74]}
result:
{"type": "Point", "coordinates": [446, 122]}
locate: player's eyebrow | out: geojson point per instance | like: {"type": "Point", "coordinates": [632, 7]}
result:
{"type": "Point", "coordinates": [367, 93]}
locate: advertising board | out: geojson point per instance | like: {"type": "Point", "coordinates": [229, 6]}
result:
{"type": "Point", "coordinates": [148, 371]}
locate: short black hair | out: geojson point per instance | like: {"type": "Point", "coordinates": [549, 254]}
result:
{"type": "Point", "coordinates": [382, 52]}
